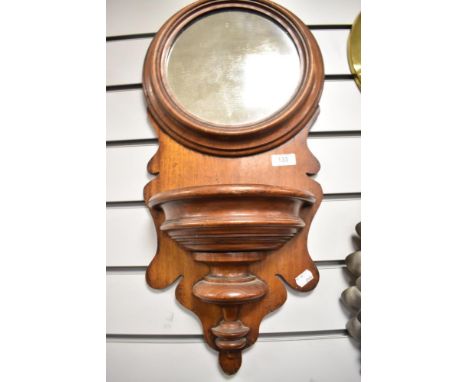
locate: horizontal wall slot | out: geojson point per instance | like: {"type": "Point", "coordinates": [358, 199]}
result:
{"type": "Point", "coordinates": [152, 34]}
{"type": "Point", "coordinates": [291, 336]}
{"type": "Point", "coordinates": [130, 36]}
{"type": "Point", "coordinates": [316, 134]}
{"type": "Point", "coordinates": [330, 26]}
{"type": "Point", "coordinates": [133, 203]}
{"type": "Point", "coordinates": [132, 269]}
{"type": "Point", "coordinates": [344, 133]}
{"type": "Point", "coordinates": [123, 87]}
{"type": "Point", "coordinates": [328, 77]}
{"type": "Point", "coordinates": [331, 77]}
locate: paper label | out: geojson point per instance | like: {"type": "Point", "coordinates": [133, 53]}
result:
{"type": "Point", "coordinates": [304, 278]}
{"type": "Point", "coordinates": [283, 160]}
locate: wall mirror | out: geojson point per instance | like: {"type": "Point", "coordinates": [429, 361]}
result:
{"type": "Point", "coordinates": [232, 89]}
{"type": "Point", "coordinates": [227, 68]}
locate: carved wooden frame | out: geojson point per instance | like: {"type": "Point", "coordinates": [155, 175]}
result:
{"type": "Point", "coordinates": [233, 140]}
{"type": "Point", "coordinates": [235, 233]}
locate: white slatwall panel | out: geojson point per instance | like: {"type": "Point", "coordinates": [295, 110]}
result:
{"type": "Point", "coordinates": [126, 116]}
{"type": "Point", "coordinates": [131, 237]}
{"type": "Point", "coordinates": [145, 16]}
{"type": "Point", "coordinates": [339, 157]}
{"type": "Point", "coordinates": [135, 308]}
{"type": "Point", "coordinates": [340, 107]}
{"type": "Point", "coordinates": [302, 359]}
{"type": "Point", "coordinates": [127, 119]}
{"type": "Point", "coordinates": [125, 58]}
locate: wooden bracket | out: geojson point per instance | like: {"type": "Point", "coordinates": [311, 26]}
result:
{"type": "Point", "coordinates": [232, 222]}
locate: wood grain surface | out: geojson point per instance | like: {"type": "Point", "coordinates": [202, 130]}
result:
{"type": "Point", "coordinates": [232, 224]}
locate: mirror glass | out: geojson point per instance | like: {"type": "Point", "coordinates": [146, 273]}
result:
{"type": "Point", "coordinates": [233, 68]}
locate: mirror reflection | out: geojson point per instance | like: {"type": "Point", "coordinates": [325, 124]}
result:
{"type": "Point", "coordinates": [233, 68]}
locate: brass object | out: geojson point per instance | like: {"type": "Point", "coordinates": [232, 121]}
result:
{"type": "Point", "coordinates": [354, 50]}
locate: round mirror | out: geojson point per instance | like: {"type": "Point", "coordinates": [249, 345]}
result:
{"type": "Point", "coordinates": [233, 67]}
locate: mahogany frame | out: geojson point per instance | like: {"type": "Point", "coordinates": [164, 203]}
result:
{"type": "Point", "coordinates": [241, 139]}
{"type": "Point", "coordinates": [232, 229]}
